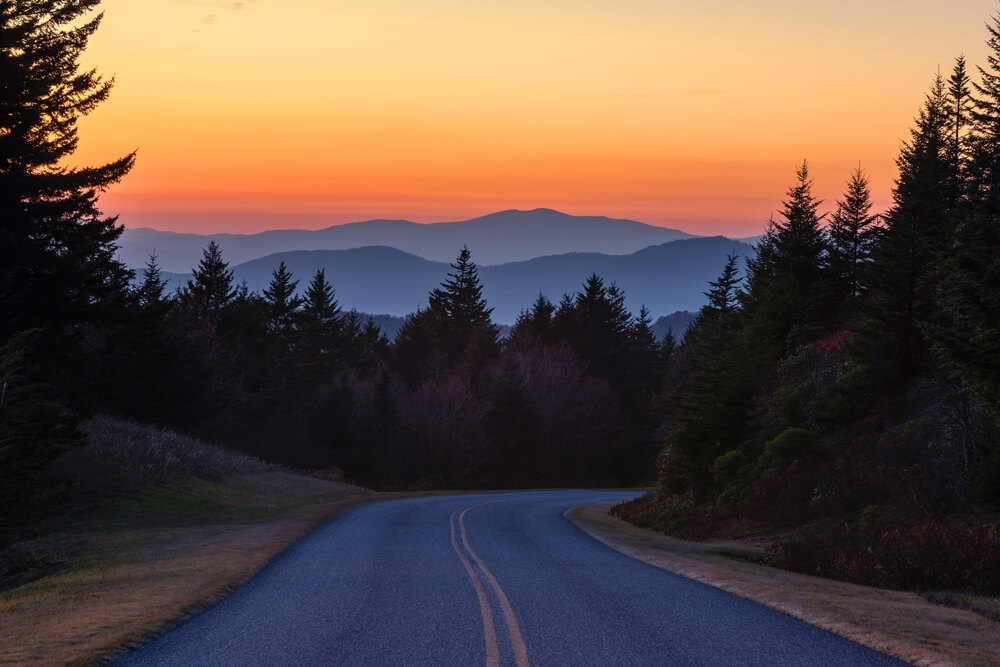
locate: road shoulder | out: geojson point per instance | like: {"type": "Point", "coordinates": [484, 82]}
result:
{"type": "Point", "coordinates": [901, 624]}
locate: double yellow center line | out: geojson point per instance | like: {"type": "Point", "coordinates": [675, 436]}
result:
{"type": "Point", "coordinates": [457, 522]}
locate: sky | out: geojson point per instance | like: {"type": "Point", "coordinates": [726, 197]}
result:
{"type": "Point", "coordinates": [692, 114]}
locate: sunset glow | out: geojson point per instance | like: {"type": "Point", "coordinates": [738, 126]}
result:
{"type": "Point", "coordinates": [262, 114]}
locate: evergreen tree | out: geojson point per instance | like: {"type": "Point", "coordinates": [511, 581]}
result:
{"type": "Point", "coordinates": [56, 248]}
{"type": "Point", "coordinates": [151, 293]}
{"type": "Point", "coordinates": [455, 328]}
{"type": "Point", "coordinates": [642, 332]}
{"type": "Point", "coordinates": [535, 323]}
{"type": "Point", "coordinates": [961, 108]}
{"type": "Point", "coordinates": [601, 336]}
{"type": "Point", "coordinates": [668, 347]}
{"type": "Point", "coordinates": [986, 119]}
{"type": "Point", "coordinates": [853, 233]}
{"type": "Point", "coordinates": [564, 320]}
{"type": "Point", "coordinates": [801, 253]}
{"type": "Point", "coordinates": [34, 426]}
{"type": "Point", "coordinates": [787, 286]}
{"type": "Point", "coordinates": [320, 323]}
{"type": "Point", "coordinates": [904, 276]}
{"type": "Point", "coordinates": [460, 310]}
{"type": "Point", "coordinates": [212, 286]}
{"type": "Point", "coordinates": [60, 283]}
{"type": "Point", "coordinates": [644, 360]}
{"type": "Point", "coordinates": [416, 353]}
{"type": "Point", "coordinates": [710, 411]}
{"type": "Point", "coordinates": [374, 348]}
{"type": "Point", "coordinates": [965, 337]}
{"type": "Point", "coordinates": [282, 301]}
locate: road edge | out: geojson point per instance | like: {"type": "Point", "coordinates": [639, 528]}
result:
{"type": "Point", "coordinates": [901, 624]}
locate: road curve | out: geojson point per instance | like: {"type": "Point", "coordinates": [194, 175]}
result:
{"type": "Point", "coordinates": [490, 579]}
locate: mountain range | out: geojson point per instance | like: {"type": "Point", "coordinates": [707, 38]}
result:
{"type": "Point", "coordinates": [665, 278]}
{"type": "Point", "coordinates": [507, 236]}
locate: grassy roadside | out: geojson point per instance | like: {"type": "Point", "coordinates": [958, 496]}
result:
{"type": "Point", "coordinates": [131, 570]}
{"type": "Point", "coordinates": [153, 527]}
{"type": "Point", "coordinates": [902, 624]}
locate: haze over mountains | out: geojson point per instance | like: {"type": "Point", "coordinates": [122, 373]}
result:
{"type": "Point", "coordinates": [507, 236]}
{"type": "Point", "coordinates": [665, 278]}
{"type": "Point", "coordinates": [389, 266]}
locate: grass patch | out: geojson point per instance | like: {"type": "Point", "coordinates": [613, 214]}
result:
{"type": "Point", "coordinates": [176, 524]}
{"type": "Point", "coordinates": [129, 572]}
{"type": "Point", "coordinates": [898, 623]}
{"type": "Point", "coordinates": [984, 606]}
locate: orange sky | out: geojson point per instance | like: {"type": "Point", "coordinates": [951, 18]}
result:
{"type": "Point", "coordinates": [691, 114]}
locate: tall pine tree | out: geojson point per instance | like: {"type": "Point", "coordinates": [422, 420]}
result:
{"type": "Point", "coordinates": [282, 301]}
{"type": "Point", "coordinates": [709, 415]}
{"type": "Point", "coordinates": [56, 248]}
{"type": "Point", "coordinates": [904, 276]}
{"type": "Point", "coordinates": [853, 233]}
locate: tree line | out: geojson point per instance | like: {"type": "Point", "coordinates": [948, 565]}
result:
{"type": "Point", "coordinates": [853, 373]}
{"type": "Point", "coordinates": [285, 374]}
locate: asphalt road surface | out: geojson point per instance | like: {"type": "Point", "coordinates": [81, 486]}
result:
{"type": "Point", "coordinates": [492, 579]}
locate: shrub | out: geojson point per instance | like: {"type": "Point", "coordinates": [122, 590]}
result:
{"type": "Point", "coordinates": [125, 453]}
{"type": "Point", "coordinates": [675, 514]}
{"type": "Point", "coordinates": [726, 468]}
{"type": "Point", "coordinates": [790, 444]}
{"type": "Point", "coordinates": [924, 555]}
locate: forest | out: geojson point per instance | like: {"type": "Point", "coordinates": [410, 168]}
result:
{"type": "Point", "coordinates": [844, 392]}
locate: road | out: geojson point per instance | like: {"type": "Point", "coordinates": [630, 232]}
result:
{"type": "Point", "coordinates": [491, 579]}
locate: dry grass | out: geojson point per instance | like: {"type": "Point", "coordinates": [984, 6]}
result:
{"type": "Point", "coordinates": [129, 578]}
{"type": "Point", "coordinates": [901, 624]}
{"type": "Point", "coordinates": [122, 452]}
{"type": "Point", "coordinates": [121, 570]}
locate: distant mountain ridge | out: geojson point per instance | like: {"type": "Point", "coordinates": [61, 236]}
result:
{"type": "Point", "coordinates": [498, 238]}
{"type": "Point", "coordinates": [665, 278]}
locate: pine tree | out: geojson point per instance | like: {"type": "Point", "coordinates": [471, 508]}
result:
{"type": "Point", "coordinates": [460, 309]}
{"type": "Point", "coordinates": [319, 325]}
{"type": "Point", "coordinates": [213, 281]}
{"type": "Point", "coordinates": [601, 336]}
{"type": "Point", "coordinates": [151, 292]}
{"type": "Point", "coordinates": [536, 323]}
{"type": "Point", "coordinates": [282, 301]}
{"type": "Point", "coordinates": [374, 348]}
{"type": "Point", "coordinates": [668, 347]}
{"type": "Point", "coordinates": [853, 233]}
{"type": "Point", "coordinates": [904, 275]}
{"type": "Point", "coordinates": [642, 332]}
{"type": "Point", "coordinates": [961, 108]}
{"type": "Point", "coordinates": [965, 335]}
{"type": "Point", "coordinates": [986, 119]}
{"type": "Point", "coordinates": [56, 248]}
{"type": "Point", "coordinates": [455, 328]}
{"type": "Point", "coordinates": [710, 410]}
{"type": "Point", "coordinates": [34, 426]}
{"type": "Point", "coordinates": [416, 352]}
{"type": "Point", "coordinates": [801, 252]}
{"type": "Point", "coordinates": [787, 287]}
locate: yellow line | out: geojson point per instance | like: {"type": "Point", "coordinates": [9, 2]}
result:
{"type": "Point", "coordinates": [517, 643]}
{"type": "Point", "coordinates": [489, 630]}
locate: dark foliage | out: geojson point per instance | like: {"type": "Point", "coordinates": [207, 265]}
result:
{"type": "Point", "coordinates": [850, 393]}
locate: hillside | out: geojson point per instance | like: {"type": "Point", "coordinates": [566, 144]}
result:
{"type": "Point", "coordinates": [506, 236]}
